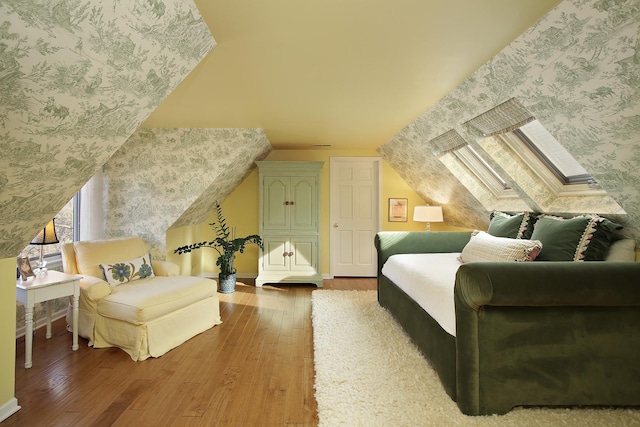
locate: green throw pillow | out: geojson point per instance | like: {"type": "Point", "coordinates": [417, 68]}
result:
{"type": "Point", "coordinates": [581, 238]}
{"type": "Point", "coordinates": [518, 226]}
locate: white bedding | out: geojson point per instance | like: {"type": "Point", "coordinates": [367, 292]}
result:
{"type": "Point", "coordinates": [429, 280]}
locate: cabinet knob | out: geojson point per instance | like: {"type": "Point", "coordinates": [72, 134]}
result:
{"type": "Point", "coordinates": [290, 253]}
{"type": "Point", "coordinates": [286, 203]}
{"type": "Point", "coordinates": [292, 203]}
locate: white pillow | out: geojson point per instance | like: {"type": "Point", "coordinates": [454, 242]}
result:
{"type": "Point", "coordinates": [121, 272]}
{"type": "Point", "coordinates": [485, 247]}
{"type": "Point", "coordinates": [622, 250]}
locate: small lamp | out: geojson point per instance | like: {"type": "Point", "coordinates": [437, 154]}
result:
{"type": "Point", "coordinates": [47, 236]}
{"type": "Point", "coordinates": [427, 214]}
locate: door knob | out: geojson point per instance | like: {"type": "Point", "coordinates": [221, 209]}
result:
{"type": "Point", "coordinates": [335, 225]}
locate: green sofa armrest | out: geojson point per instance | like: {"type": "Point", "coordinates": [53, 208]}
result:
{"type": "Point", "coordinates": [415, 242]}
{"type": "Point", "coordinates": [553, 284]}
{"type": "Point", "coordinates": [546, 333]}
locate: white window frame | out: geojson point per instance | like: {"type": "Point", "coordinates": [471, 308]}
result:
{"type": "Point", "coordinates": [485, 173]}
{"type": "Point", "coordinates": [542, 170]}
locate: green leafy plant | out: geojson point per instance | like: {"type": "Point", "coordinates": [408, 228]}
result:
{"type": "Point", "coordinates": [225, 243]}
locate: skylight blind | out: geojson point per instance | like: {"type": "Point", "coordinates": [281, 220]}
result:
{"type": "Point", "coordinates": [506, 117]}
{"type": "Point", "coordinates": [447, 142]}
{"type": "Point", "coordinates": [554, 152]}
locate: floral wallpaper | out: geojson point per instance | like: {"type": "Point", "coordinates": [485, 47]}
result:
{"type": "Point", "coordinates": [77, 77]}
{"type": "Point", "coordinates": [166, 178]}
{"type": "Point", "coordinates": [578, 71]}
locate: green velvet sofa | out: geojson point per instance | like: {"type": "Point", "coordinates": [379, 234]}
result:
{"type": "Point", "coordinates": [539, 333]}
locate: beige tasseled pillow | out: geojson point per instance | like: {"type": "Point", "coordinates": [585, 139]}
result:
{"type": "Point", "coordinates": [622, 250]}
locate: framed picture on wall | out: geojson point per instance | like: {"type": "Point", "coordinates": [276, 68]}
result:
{"type": "Point", "coordinates": [24, 267]}
{"type": "Point", "coordinates": [397, 210]}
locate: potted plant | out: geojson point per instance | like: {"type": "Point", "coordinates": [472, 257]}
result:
{"type": "Point", "coordinates": [227, 245]}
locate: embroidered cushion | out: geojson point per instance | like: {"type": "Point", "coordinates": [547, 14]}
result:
{"type": "Point", "coordinates": [518, 226]}
{"type": "Point", "coordinates": [121, 272]}
{"type": "Point", "coordinates": [485, 247]}
{"type": "Point", "coordinates": [581, 238]}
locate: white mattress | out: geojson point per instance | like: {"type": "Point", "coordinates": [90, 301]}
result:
{"type": "Point", "coordinates": [429, 280]}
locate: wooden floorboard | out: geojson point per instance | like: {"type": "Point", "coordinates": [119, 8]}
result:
{"type": "Point", "coordinates": [255, 369]}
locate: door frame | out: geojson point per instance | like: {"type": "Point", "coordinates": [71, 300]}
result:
{"type": "Point", "coordinates": [376, 163]}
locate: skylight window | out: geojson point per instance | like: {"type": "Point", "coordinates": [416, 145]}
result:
{"type": "Point", "coordinates": [515, 125]}
{"type": "Point", "coordinates": [552, 154]}
{"type": "Point", "coordinates": [550, 160]}
{"type": "Point", "coordinates": [452, 142]}
{"type": "Point", "coordinates": [483, 170]}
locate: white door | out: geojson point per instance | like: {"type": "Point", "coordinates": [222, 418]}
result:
{"type": "Point", "coordinates": [355, 215]}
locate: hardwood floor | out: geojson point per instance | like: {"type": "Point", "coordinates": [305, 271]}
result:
{"type": "Point", "coordinates": [256, 369]}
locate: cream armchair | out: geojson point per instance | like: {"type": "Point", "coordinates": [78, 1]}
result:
{"type": "Point", "coordinates": [124, 303]}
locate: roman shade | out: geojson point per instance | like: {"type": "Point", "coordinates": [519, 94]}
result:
{"type": "Point", "coordinates": [505, 117]}
{"type": "Point", "coordinates": [448, 142]}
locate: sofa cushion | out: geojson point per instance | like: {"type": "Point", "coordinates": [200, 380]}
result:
{"type": "Point", "coordinates": [518, 226]}
{"type": "Point", "coordinates": [121, 272]}
{"type": "Point", "coordinates": [581, 238]}
{"type": "Point", "coordinates": [623, 250]}
{"type": "Point", "coordinates": [90, 254]}
{"type": "Point", "coordinates": [485, 247]}
{"type": "Point", "coordinates": [148, 299]}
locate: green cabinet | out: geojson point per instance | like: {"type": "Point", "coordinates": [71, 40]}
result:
{"type": "Point", "coordinates": [290, 203]}
{"type": "Point", "coordinates": [289, 222]}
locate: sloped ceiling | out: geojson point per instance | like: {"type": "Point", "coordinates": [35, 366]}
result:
{"type": "Point", "coordinates": [577, 71]}
{"type": "Point", "coordinates": [76, 80]}
{"type": "Point", "coordinates": [346, 73]}
{"type": "Point", "coordinates": [167, 178]}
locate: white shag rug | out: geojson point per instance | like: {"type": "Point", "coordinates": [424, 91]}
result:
{"type": "Point", "coordinates": [369, 373]}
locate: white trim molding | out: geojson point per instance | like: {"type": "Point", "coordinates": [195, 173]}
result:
{"type": "Point", "coordinates": [9, 408]}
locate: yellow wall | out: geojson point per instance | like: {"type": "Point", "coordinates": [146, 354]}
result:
{"type": "Point", "coordinates": [240, 209]}
{"type": "Point", "coordinates": [7, 329]}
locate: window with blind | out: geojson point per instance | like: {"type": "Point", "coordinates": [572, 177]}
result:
{"type": "Point", "coordinates": [527, 137]}
{"type": "Point", "coordinates": [452, 142]}
{"type": "Point", "coordinates": [553, 155]}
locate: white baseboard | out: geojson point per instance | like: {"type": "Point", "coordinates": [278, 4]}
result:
{"type": "Point", "coordinates": [251, 276]}
{"type": "Point", "coordinates": [9, 408]}
{"type": "Point", "coordinates": [239, 276]}
{"type": "Point", "coordinates": [41, 322]}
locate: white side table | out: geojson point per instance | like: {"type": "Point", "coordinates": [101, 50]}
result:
{"type": "Point", "coordinates": [46, 288]}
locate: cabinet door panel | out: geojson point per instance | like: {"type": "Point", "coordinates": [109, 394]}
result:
{"type": "Point", "coordinates": [303, 211]}
{"type": "Point", "coordinates": [276, 254]}
{"type": "Point", "coordinates": [276, 210]}
{"type": "Point", "coordinates": [304, 253]}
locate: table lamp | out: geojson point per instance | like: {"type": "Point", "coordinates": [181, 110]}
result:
{"type": "Point", "coordinates": [427, 214]}
{"type": "Point", "coordinates": [47, 236]}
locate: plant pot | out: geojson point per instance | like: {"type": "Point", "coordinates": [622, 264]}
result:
{"type": "Point", "coordinates": [227, 283]}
